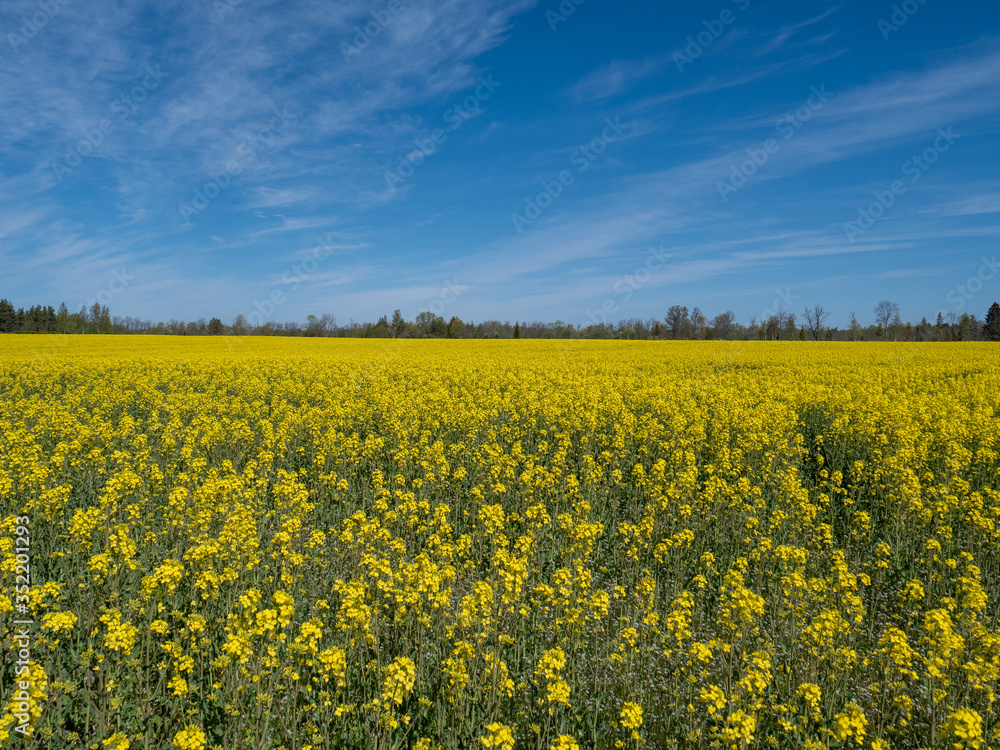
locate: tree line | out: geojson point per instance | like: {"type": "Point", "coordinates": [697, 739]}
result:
{"type": "Point", "coordinates": [679, 323]}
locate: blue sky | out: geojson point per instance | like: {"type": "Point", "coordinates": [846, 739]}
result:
{"type": "Point", "coordinates": [512, 160]}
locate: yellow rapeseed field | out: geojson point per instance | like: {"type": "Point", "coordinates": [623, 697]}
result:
{"type": "Point", "coordinates": [316, 543]}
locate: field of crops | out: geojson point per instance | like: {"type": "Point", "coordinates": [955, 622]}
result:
{"type": "Point", "coordinates": [302, 543]}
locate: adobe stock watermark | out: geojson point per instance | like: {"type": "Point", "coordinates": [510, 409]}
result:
{"type": "Point", "coordinates": [582, 158]}
{"type": "Point", "coordinates": [247, 151]}
{"type": "Point", "coordinates": [787, 126]}
{"type": "Point", "coordinates": [122, 109]}
{"type": "Point", "coordinates": [714, 28]}
{"type": "Point", "coordinates": [292, 279]}
{"type": "Point", "coordinates": [365, 35]}
{"type": "Point", "coordinates": [914, 168]}
{"type": "Point", "coordinates": [223, 7]}
{"type": "Point", "coordinates": [20, 701]}
{"type": "Point", "coordinates": [901, 13]}
{"type": "Point", "coordinates": [629, 284]}
{"type": "Point", "coordinates": [117, 284]}
{"type": "Point", "coordinates": [563, 11]}
{"type": "Point", "coordinates": [454, 116]}
{"type": "Point", "coordinates": [962, 294]}
{"type": "Point", "coordinates": [32, 27]}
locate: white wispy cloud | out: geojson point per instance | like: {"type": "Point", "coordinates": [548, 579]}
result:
{"type": "Point", "coordinates": [787, 32]}
{"type": "Point", "coordinates": [615, 78]}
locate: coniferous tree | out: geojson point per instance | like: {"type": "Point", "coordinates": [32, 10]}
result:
{"type": "Point", "coordinates": [942, 332]}
{"type": "Point", "coordinates": [8, 318]}
{"type": "Point", "coordinates": [991, 327]}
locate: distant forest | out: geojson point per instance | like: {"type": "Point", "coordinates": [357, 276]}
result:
{"type": "Point", "coordinates": [678, 323]}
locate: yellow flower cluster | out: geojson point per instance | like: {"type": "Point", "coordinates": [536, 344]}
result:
{"type": "Point", "coordinates": [631, 715]}
{"type": "Point", "coordinates": [498, 736]}
{"type": "Point", "coordinates": [966, 727]}
{"type": "Point", "coordinates": [59, 621]}
{"type": "Point", "coordinates": [399, 678]}
{"type": "Point", "coordinates": [120, 636]}
{"type": "Point", "coordinates": [117, 741]}
{"type": "Point", "coordinates": [850, 724]}
{"type": "Point", "coordinates": [190, 738]}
